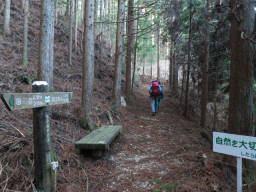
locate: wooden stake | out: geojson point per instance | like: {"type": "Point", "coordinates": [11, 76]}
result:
{"type": "Point", "coordinates": [42, 142]}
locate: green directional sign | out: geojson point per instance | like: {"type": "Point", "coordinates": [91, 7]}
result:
{"type": "Point", "coordinates": [16, 101]}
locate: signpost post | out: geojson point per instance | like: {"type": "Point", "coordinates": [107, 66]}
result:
{"type": "Point", "coordinates": [236, 145]}
{"type": "Point", "coordinates": [39, 100]}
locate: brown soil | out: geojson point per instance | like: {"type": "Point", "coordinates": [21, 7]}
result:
{"type": "Point", "coordinates": [158, 153]}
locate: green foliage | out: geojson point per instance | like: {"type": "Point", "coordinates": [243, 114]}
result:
{"type": "Point", "coordinates": [158, 180]}
{"type": "Point", "coordinates": [53, 155]}
{"type": "Point", "coordinates": [250, 178]}
{"type": "Point", "coordinates": [254, 86]}
{"type": "Point", "coordinates": [25, 62]}
{"type": "Point", "coordinates": [167, 187]}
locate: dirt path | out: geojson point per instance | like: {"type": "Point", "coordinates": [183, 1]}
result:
{"type": "Point", "coordinates": [159, 153]}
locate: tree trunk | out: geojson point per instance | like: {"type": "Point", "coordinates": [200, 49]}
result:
{"type": "Point", "coordinates": [151, 69]}
{"type": "Point", "coordinates": [7, 17]}
{"type": "Point", "coordinates": [135, 53]}
{"type": "Point", "coordinates": [88, 64]}
{"type": "Point", "coordinates": [71, 30]}
{"type": "Point", "coordinates": [23, 4]}
{"type": "Point", "coordinates": [189, 61]}
{"type": "Point", "coordinates": [56, 10]}
{"type": "Point", "coordinates": [204, 95]}
{"type": "Point", "coordinates": [171, 66]}
{"type": "Point", "coordinates": [45, 73]}
{"type": "Point", "coordinates": [158, 54]}
{"type": "Point", "coordinates": [45, 68]}
{"type": "Point", "coordinates": [76, 22]}
{"type": "Point", "coordinates": [25, 47]}
{"type": "Point", "coordinates": [95, 17]}
{"type": "Point", "coordinates": [175, 74]}
{"type": "Point", "coordinates": [67, 12]}
{"type": "Point", "coordinates": [241, 75]}
{"type": "Point", "coordinates": [51, 45]}
{"type": "Point", "coordinates": [119, 50]}
{"type": "Point", "coordinates": [130, 47]}
{"type": "Point", "coordinates": [101, 14]}
{"type": "Point", "coordinates": [182, 83]}
{"type": "Point", "coordinates": [82, 10]}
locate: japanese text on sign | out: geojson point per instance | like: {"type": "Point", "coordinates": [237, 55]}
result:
{"type": "Point", "coordinates": [235, 145]}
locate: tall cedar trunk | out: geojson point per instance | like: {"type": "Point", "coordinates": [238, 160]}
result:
{"type": "Point", "coordinates": [95, 17]}
{"type": "Point", "coordinates": [241, 75]}
{"type": "Point", "coordinates": [171, 67]}
{"type": "Point", "coordinates": [45, 73]}
{"type": "Point", "coordinates": [45, 68]}
{"type": "Point", "coordinates": [23, 4]}
{"type": "Point", "coordinates": [82, 10]}
{"type": "Point", "coordinates": [175, 73]}
{"type": "Point", "coordinates": [182, 83]}
{"type": "Point", "coordinates": [67, 11]}
{"type": "Point", "coordinates": [101, 14]}
{"type": "Point", "coordinates": [88, 63]}
{"type": "Point", "coordinates": [130, 47]}
{"type": "Point", "coordinates": [119, 50]}
{"type": "Point", "coordinates": [51, 46]}
{"type": "Point", "coordinates": [143, 68]}
{"type": "Point", "coordinates": [136, 22]}
{"type": "Point", "coordinates": [151, 69]}
{"type": "Point", "coordinates": [7, 17]}
{"type": "Point", "coordinates": [76, 22]}
{"type": "Point", "coordinates": [25, 46]}
{"type": "Point", "coordinates": [56, 10]}
{"type": "Point", "coordinates": [158, 54]}
{"type": "Point", "coordinates": [71, 30]}
{"type": "Point", "coordinates": [189, 61]}
{"type": "Point", "coordinates": [204, 95]}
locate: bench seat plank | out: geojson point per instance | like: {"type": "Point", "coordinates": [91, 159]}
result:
{"type": "Point", "coordinates": [100, 138]}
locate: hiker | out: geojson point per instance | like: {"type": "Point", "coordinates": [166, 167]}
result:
{"type": "Point", "coordinates": [156, 93]}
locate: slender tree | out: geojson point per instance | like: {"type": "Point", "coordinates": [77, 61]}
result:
{"type": "Point", "coordinates": [135, 53]}
{"type": "Point", "coordinates": [241, 75]}
{"type": "Point", "coordinates": [158, 53]}
{"type": "Point", "coordinates": [67, 11]}
{"type": "Point", "coordinates": [205, 69]}
{"type": "Point", "coordinates": [56, 10]}
{"type": "Point", "coordinates": [7, 17]}
{"type": "Point", "coordinates": [95, 16]}
{"type": "Point", "coordinates": [45, 68]}
{"type": "Point", "coordinates": [130, 47]}
{"type": "Point", "coordinates": [171, 66]}
{"type": "Point", "coordinates": [51, 44]}
{"type": "Point", "coordinates": [189, 59]}
{"type": "Point", "coordinates": [71, 30]}
{"type": "Point", "coordinates": [76, 22]}
{"type": "Point", "coordinates": [175, 72]}
{"type": "Point", "coordinates": [119, 49]}
{"type": "Point", "coordinates": [88, 64]}
{"type": "Point", "coordinates": [25, 47]}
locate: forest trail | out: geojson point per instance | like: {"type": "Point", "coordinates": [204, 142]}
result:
{"type": "Point", "coordinates": [159, 153]}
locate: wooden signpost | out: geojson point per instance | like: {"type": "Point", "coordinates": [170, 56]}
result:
{"type": "Point", "coordinates": [45, 168]}
{"type": "Point", "coordinates": [239, 146]}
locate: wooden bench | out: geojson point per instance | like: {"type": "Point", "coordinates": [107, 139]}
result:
{"type": "Point", "coordinates": [100, 138]}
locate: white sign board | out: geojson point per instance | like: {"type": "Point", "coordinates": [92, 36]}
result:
{"type": "Point", "coordinates": [235, 145]}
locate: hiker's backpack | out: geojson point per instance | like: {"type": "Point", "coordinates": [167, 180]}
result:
{"type": "Point", "coordinates": [155, 89]}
